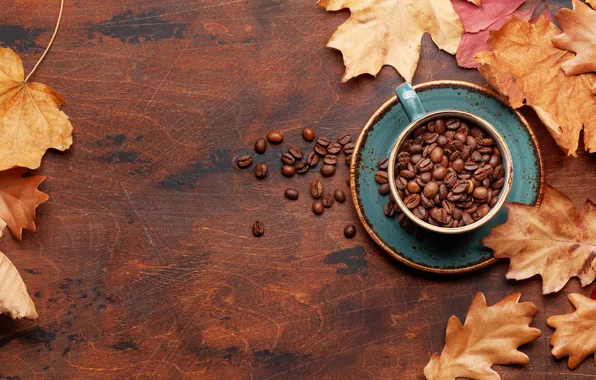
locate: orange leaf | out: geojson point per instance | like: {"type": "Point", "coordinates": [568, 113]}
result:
{"type": "Point", "coordinates": [490, 335]}
{"type": "Point", "coordinates": [30, 121]}
{"type": "Point", "coordinates": [554, 240]}
{"type": "Point", "coordinates": [524, 65]}
{"type": "Point", "coordinates": [14, 299]}
{"type": "Point", "coordinates": [576, 332]}
{"type": "Point", "coordinates": [579, 27]}
{"type": "Point", "coordinates": [19, 197]}
{"type": "Point", "coordinates": [389, 32]}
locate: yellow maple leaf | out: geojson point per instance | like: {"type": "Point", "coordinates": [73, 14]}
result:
{"type": "Point", "coordinates": [389, 32]}
{"type": "Point", "coordinates": [576, 332]}
{"type": "Point", "coordinates": [592, 3]}
{"type": "Point", "coordinates": [30, 120]}
{"type": "Point", "coordinates": [490, 335]}
{"type": "Point", "coordinates": [14, 299]}
{"type": "Point", "coordinates": [524, 65]}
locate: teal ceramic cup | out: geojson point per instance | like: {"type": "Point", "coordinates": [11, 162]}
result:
{"type": "Point", "coordinates": [417, 117]}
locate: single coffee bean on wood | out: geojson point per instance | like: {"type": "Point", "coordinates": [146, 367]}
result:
{"type": "Point", "coordinates": [344, 139]}
{"type": "Point", "coordinates": [316, 189]}
{"type": "Point", "coordinates": [327, 200]}
{"type": "Point", "coordinates": [288, 170]}
{"type": "Point", "coordinates": [261, 171]}
{"type": "Point", "coordinates": [308, 134]}
{"type": "Point", "coordinates": [349, 148]}
{"type": "Point", "coordinates": [350, 231]}
{"type": "Point", "coordinates": [323, 141]}
{"type": "Point", "coordinates": [296, 152]}
{"type": "Point", "coordinates": [312, 159]}
{"type": "Point", "coordinates": [339, 196]}
{"type": "Point", "coordinates": [334, 148]}
{"type": "Point", "coordinates": [318, 208]}
{"type": "Point", "coordinates": [320, 150]}
{"type": "Point", "coordinates": [330, 159]}
{"type": "Point", "coordinates": [301, 167]}
{"type": "Point", "coordinates": [288, 159]}
{"type": "Point", "coordinates": [291, 194]}
{"type": "Point", "coordinates": [260, 145]}
{"type": "Point", "coordinates": [275, 137]}
{"type": "Point", "coordinates": [258, 228]}
{"type": "Point", "coordinates": [244, 161]}
{"type": "Point", "coordinates": [327, 170]}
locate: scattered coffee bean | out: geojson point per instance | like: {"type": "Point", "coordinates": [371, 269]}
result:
{"type": "Point", "coordinates": [308, 134]}
{"type": "Point", "coordinates": [288, 159]}
{"type": "Point", "coordinates": [296, 152]}
{"type": "Point", "coordinates": [275, 137]}
{"type": "Point", "coordinates": [258, 228]}
{"type": "Point", "coordinates": [288, 170]}
{"type": "Point", "coordinates": [261, 171]}
{"type": "Point", "coordinates": [383, 164]}
{"type": "Point", "coordinates": [339, 196]}
{"type": "Point", "coordinates": [301, 167]}
{"type": "Point", "coordinates": [330, 159]}
{"type": "Point", "coordinates": [323, 141]}
{"type": "Point", "coordinates": [327, 200]}
{"type": "Point", "coordinates": [381, 177]}
{"type": "Point", "coordinates": [350, 231]}
{"type": "Point", "coordinates": [327, 170]}
{"type": "Point", "coordinates": [316, 189]}
{"type": "Point", "coordinates": [291, 194]}
{"type": "Point", "coordinates": [313, 159]}
{"type": "Point", "coordinates": [334, 148]}
{"type": "Point", "coordinates": [260, 145]}
{"type": "Point", "coordinates": [384, 189]}
{"type": "Point", "coordinates": [320, 150]}
{"type": "Point", "coordinates": [349, 148]}
{"type": "Point", "coordinates": [344, 139]}
{"type": "Point", "coordinates": [318, 208]}
{"type": "Point", "coordinates": [244, 161]}
{"type": "Point", "coordinates": [389, 209]}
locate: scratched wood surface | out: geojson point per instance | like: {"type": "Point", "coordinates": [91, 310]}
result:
{"type": "Point", "coordinates": [144, 266]}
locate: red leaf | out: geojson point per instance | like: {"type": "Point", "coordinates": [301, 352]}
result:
{"type": "Point", "coordinates": [476, 19]}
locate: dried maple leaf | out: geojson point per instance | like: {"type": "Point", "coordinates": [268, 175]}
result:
{"type": "Point", "coordinates": [576, 332]}
{"type": "Point", "coordinates": [554, 240]}
{"type": "Point", "coordinates": [592, 3]}
{"type": "Point", "coordinates": [490, 335]}
{"type": "Point", "coordinates": [579, 36]}
{"type": "Point", "coordinates": [389, 32]}
{"type": "Point", "coordinates": [19, 197]}
{"type": "Point", "coordinates": [524, 65]}
{"type": "Point", "coordinates": [14, 299]}
{"type": "Point", "coordinates": [476, 19]}
{"type": "Point", "coordinates": [30, 121]}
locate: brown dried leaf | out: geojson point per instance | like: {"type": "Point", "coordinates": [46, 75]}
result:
{"type": "Point", "coordinates": [579, 36]}
{"type": "Point", "coordinates": [389, 32]}
{"type": "Point", "coordinates": [554, 240]}
{"type": "Point", "coordinates": [490, 335]}
{"type": "Point", "coordinates": [14, 299]}
{"type": "Point", "coordinates": [19, 197]}
{"type": "Point", "coordinates": [30, 121]}
{"type": "Point", "coordinates": [576, 332]}
{"type": "Point", "coordinates": [476, 2]}
{"type": "Point", "coordinates": [524, 65]}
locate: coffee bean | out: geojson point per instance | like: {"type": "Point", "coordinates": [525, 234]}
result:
{"type": "Point", "coordinates": [258, 228]}
{"type": "Point", "coordinates": [381, 177]}
{"type": "Point", "coordinates": [261, 171]}
{"type": "Point", "coordinates": [413, 187]}
{"type": "Point", "coordinates": [451, 179]}
{"type": "Point", "coordinates": [482, 173]}
{"type": "Point", "coordinates": [323, 141]}
{"type": "Point", "coordinates": [426, 177]}
{"type": "Point", "coordinates": [327, 200]}
{"type": "Point", "coordinates": [483, 209]}
{"type": "Point", "coordinates": [439, 173]}
{"type": "Point", "coordinates": [291, 194]}
{"type": "Point", "coordinates": [470, 187]}
{"type": "Point", "coordinates": [465, 154]}
{"type": "Point", "coordinates": [443, 191]}
{"type": "Point", "coordinates": [384, 189]}
{"type": "Point", "coordinates": [494, 161]}
{"type": "Point", "coordinates": [499, 172]}
{"type": "Point", "coordinates": [296, 152]}
{"type": "Point", "coordinates": [470, 166]}
{"type": "Point", "coordinates": [454, 156]}
{"type": "Point", "coordinates": [348, 159]}
{"type": "Point", "coordinates": [457, 213]}
{"type": "Point", "coordinates": [301, 167]}
{"type": "Point", "coordinates": [244, 161]}
{"type": "Point", "coordinates": [426, 202]}
{"type": "Point", "coordinates": [431, 189]}
{"type": "Point", "coordinates": [440, 215]}
{"type": "Point", "coordinates": [493, 201]}
{"type": "Point", "coordinates": [334, 148]}
{"type": "Point", "coordinates": [316, 189]}
{"type": "Point", "coordinates": [460, 137]}
{"type": "Point", "coordinates": [412, 200]}
{"type": "Point", "coordinates": [308, 134]}
{"type": "Point", "coordinates": [452, 197]}
{"type": "Point", "coordinates": [320, 150]}
{"type": "Point", "coordinates": [415, 149]}
{"type": "Point", "coordinates": [404, 158]}
{"type": "Point", "coordinates": [449, 207]}
{"type": "Point", "coordinates": [460, 187]}
{"type": "Point", "coordinates": [349, 148]}
{"type": "Point", "coordinates": [318, 208]}
{"type": "Point", "coordinates": [330, 159]}
{"type": "Point", "coordinates": [401, 183]}
{"type": "Point", "coordinates": [350, 231]}
{"type": "Point", "coordinates": [420, 212]}
{"type": "Point", "coordinates": [476, 132]}
{"type": "Point", "coordinates": [436, 155]}
{"type": "Point", "coordinates": [288, 170]}
{"type": "Point", "coordinates": [453, 124]}
{"type": "Point", "coordinates": [466, 219]}
{"type": "Point", "coordinates": [344, 139]}
{"type": "Point", "coordinates": [327, 170]}
{"type": "Point", "coordinates": [415, 159]}
{"type": "Point", "coordinates": [275, 137]}
{"type": "Point", "coordinates": [498, 183]}
{"type": "Point", "coordinates": [288, 159]}
{"type": "Point", "coordinates": [339, 196]}
{"type": "Point", "coordinates": [383, 164]}
{"type": "Point", "coordinates": [389, 209]}
{"type": "Point", "coordinates": [458, 165]}
{"type": "Point", "coordinates": [486, 150]}
{"type": "Point", "coordinates": [260, 145]}
{"type": "Point", "coordinates": [312, 159]}
{"type": "Point", "coordinates": [424, 165]}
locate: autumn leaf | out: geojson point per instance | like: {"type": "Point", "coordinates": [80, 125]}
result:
{"type": "Point", "coordinates": [30, 121]}
{"type": "Point", "coordinates": [476, 2]}
{"type": "Point", "coordinates": [575, 334]}
{"type": "Point", "coordinates": [592, 3]}
{"type": "Point", "coordinates": [490, 335]}
{"type": "Point", "coordinates": [14, 299]}
{"type": "Point", "coordinates": [524, 65]}
{"type": "Point", "coordinates": [389, 32]}
{"type": "Point", "coordinates": [579, 36]}
{"type": "Point", "coordinates": [476, 19]}
{"type": "Point", "coordinates": [554, 240]}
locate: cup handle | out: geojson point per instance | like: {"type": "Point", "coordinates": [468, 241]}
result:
{"type": "Point", "coordinates": [409, 101]}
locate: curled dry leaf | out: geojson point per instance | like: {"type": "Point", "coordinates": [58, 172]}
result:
{"type": "Point", "coordinates": [476, 19]}
{"type": "Point", "coordinates": [476, 2]}
{"type": "Point", "coordinates": [579, 36]}
{"type": "Point", "coordinates": [14, 299]}
{"type": "Point", "coordinates": [490, 335]}
{"type": "Point", "coordinates": [524, 65]}
{"type": "Point", "coordinates": [389, 32]}
{"type": "Point", "coordinates": [576, 332]}
{"type": "Point", "coordinates": [19, 197]}
{"type": "Point", "coordinates": [592, 3]}
{"type": "Point", "coordinates": [30, 121]}
{"type": "Point", "coordinates": [554, 240]}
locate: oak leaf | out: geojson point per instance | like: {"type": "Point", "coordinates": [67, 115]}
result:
{"type": "Point", "coordinates": [579, 36]}
{"type": "Point", "coordinates": [30, 121]}
{"type": "Point", "coordinates": [489, 335]}
{"type": "Point", "coordinates": [14, 299]}
{"type": "Point", "coordinates": [389, 32]}
{"type": "Point", "coordinates": [554, 240]}
{"type": "Point", "coordinates": [19, 197]}
{"type": "Point", "coordinates": [476, 19]}
{"type": "Point", "coordinates": [524, 65]}
{"type": "Point", "coordinates": [575, 334]}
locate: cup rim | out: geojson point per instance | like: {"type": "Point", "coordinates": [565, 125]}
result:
{"type": "Point", "coordinates": [506, 160]}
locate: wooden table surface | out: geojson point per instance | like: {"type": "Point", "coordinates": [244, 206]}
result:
{"type": "Point", "coordinates": [144, 265]}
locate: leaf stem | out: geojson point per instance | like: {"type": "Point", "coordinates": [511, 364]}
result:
{"type": "Point", "coordinates": [50, 43]}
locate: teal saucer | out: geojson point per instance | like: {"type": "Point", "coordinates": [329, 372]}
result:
{"type": "Point", "coordinates": [435, 252]}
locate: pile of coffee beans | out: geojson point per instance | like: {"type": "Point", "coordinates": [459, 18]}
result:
{"type": "Point", "coordinates": [296, 161]}
{"type": "Point", "coordinates": [447, 173]}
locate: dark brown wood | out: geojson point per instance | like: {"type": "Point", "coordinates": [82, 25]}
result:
{"type": "Point", "coordinates": [144, 263]}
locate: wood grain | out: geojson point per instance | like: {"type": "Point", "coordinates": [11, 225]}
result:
{"type": "Point", "coordinates": [144, 265]}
